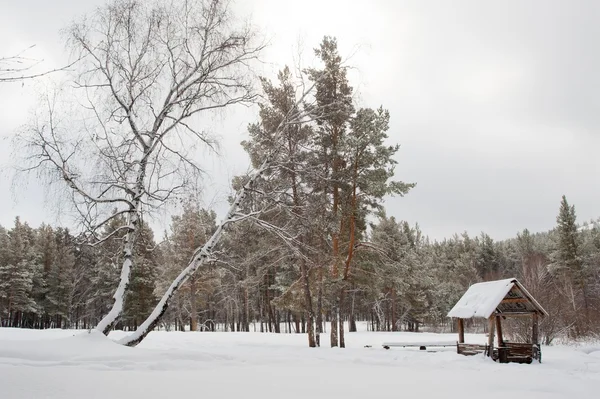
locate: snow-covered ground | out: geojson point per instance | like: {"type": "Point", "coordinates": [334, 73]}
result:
{"type": "Point", "coordinates": [77, 364]}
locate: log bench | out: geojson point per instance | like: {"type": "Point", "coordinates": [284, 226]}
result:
{"type": "Point", "coordinates": [421, 345]}
{"type": "Point", "coordinates": [470, 349]}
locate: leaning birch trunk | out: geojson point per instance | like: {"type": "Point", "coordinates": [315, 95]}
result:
{"type": "Point", "coordinates": [202, 254]}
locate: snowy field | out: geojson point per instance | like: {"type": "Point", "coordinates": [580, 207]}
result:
{"type": "Point", "coordinates": [76, 364]}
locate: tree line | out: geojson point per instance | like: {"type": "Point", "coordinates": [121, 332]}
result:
{"type": "Point", "coordinates": [52, 279]}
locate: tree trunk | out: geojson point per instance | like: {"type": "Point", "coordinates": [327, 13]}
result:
{"type": "Point", "coordinates": [246, 308]}
{"type": "Point", "coordinates": [193, 303]}
{"type": "Point", "coordinates": [394, 311]}
{"type": "Point", "coordinates": [277, 322]}
{"type": "Point", "coordinates": [308, 306]}
{"type": "Point", "coordinates": [352, 321]}
{"type": "Point", "coordinates": [341, 317]}
{"type": "Point", "coordinates": [319, 322]}
{"type": "Point", "coordinates": [333, 334]}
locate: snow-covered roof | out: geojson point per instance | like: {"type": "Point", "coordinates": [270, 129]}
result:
{"type": "Point", "coordinates": [482, 299]}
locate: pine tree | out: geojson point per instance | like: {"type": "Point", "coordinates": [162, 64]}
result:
{"type": "Point", "coordinates": [189, 231]}
{"type": "Point", "coordinates": [60, 280]}
{"type": "Point", "coordinates": [487, 261]}
{"type": "Point", "coordinates": [334, 99]}
{"type": "Point", "coordinates": [567, 262]}
{"type": "Point", "coordinates": [567, 258]}
{"type": "Point", "coordinates": [292, 178]}
{"type": "Point", "coordinates": [46, 255]}
{"type": "Point", "coordinates": [16, 276]}
{"type": "Point", "coordinates": [141, 298]}
{"type": "Point", "coordinates": [356, 165]}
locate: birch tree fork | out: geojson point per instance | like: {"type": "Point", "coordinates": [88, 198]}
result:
{"type": "Point", "coordinates": [147, 71]}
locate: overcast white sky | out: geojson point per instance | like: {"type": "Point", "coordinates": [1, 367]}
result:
{"type": "Point", "coordinates": [496, 104]}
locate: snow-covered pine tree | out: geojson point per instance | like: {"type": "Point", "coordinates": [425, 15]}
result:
{"type": "Point", "coordinates": [567, 265]}
{"type": "Point", "coordinates": [141, 297]}
{"type": "Point", "coordinates": [62, 280]}
{"type": "Point", "coordinates": [334, 99]}
{"type": "Point", "coordinates": [287, 192]}
{"type": "Point", "coordinates": [17, 276]}
{"type": "Point", "coordinates": [189, 231]}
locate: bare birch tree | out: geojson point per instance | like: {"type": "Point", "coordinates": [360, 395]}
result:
{"type": "Point", "coordinates": [147, 72]}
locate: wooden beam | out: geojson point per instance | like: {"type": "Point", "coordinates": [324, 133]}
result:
{"type": "Point", "coordinates": [516, 314]}
{"type": "Point", "coordinates": [461, 331]}
{"type": "Point", "coordinates": [515, 300]}
{"type": "Point", "coordinates": [499, 329]}
{"type": "Point", "coordinates": [534, 330]}
{"type": "Point", "coordinates": [491, 336]}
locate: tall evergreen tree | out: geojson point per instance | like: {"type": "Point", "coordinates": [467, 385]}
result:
{"type": "Point", "coordinates": [487, 262]}
{"type": "Point", "coordinates": [17, 276]}
{"type": "Point", "coordinates": [334, 100]}
{"type": "Point", "coordinates": [567, 257]}
{"type": "Point", "coordinates": [356, 167]}
{"type": "Point", "coordinates": [189, 231]}
{"type": "Point", "coordinates": [290, 181]}
{"type": "Point", "coordinates": [62, 279]}
{"type": "Point", "coordinates": [567, 264]}
{"type": "Point", "coordinates": [141, 298]}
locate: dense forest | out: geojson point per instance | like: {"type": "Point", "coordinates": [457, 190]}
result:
{"type": "Point", "coordinates": [51, 279]}
{"type": "Point", "coordinates": [307, 246]}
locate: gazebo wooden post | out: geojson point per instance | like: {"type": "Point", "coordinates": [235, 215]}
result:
{"type": "Point", "coordinates": [461, 331]}
{"type": "Point", "coordinates": [491, 325]}
{"type": "Point", "coordinates": [534, 329]}
{"type": "Point", "coordinates": [499, 329]}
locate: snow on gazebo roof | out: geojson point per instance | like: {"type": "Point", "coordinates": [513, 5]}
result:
{"type": "Point", "coordinates": [482, 299]}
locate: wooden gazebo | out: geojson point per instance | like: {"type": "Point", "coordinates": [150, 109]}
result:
{"type": "Point", "coordinates": [494, 301]}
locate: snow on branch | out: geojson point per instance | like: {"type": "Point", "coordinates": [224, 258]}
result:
{"type": "Point", "coordinates": [203, 254]}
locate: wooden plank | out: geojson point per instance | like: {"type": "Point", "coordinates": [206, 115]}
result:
{"type": "Point", "coordinates": [418, 344]}
{"type": "Point", "coordinates": [472, 346]}
{"type": "Point", "coordinates": [461, 331]}
{"type": "Point", "coordinates": [515, 300]}
{"type": "Point", "coordinates": [515, 314]}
